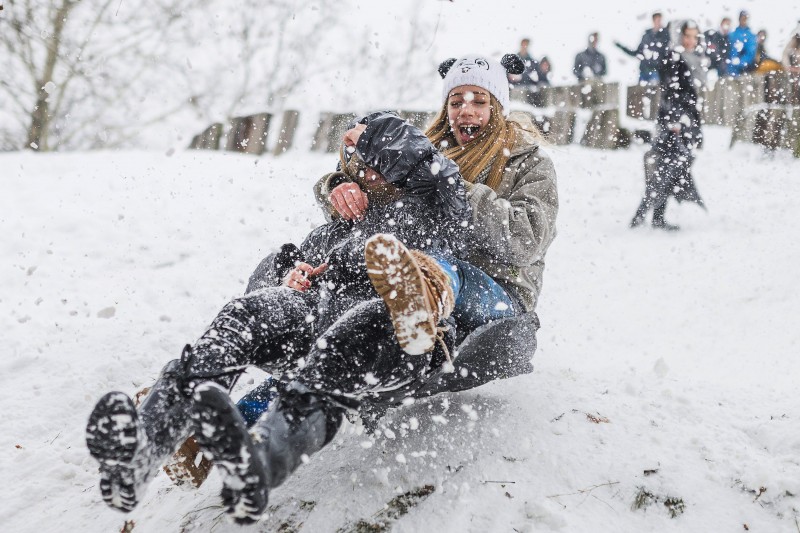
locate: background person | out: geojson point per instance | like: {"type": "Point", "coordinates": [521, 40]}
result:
{"type": "Point", "coordinates": [678, 132]}
{"type": "Point", "coordinates": [743, 47]}
{"type": "Point", "coordinates": [718, 47]}
{"type": "Point", "coordinates": [590, 63]}
{"type": "Point", "coordinates": [652, 45]}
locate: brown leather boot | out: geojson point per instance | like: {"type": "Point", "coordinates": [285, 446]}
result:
{"type": "Point", "coordinates": [416, 290]}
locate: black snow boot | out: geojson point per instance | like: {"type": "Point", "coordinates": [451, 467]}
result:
{"type": "Point", "coordinates": [131, 444]}
{"type": "Point", "coordinates": [658, 217]}
{"type": "Point", "coordinates": [660, 223]}
{"type": "Point", "coordinates": [298, 424]}
{"type": "Point", "coordinates": [222, 434]}
{"type": "Point", "coordinates": [641, 212]}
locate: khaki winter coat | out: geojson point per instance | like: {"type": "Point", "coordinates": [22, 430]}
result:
{"type": "Point", "coordinates": [515, 225]}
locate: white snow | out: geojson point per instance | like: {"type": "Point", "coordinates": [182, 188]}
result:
{"type": "Point", "coordinates": [667, 363]}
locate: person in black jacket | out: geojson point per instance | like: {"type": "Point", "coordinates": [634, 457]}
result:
{"type": "Point", "coordinates": [718, 47]}
{"type": "Point", "coordinates": [590, 63]}
{"type": "Point", "coordinates": [678, 132]}
{"type": "Point", "coordinates": [654, 42]}
{"type": "Point", "coordinates": [310, 314]}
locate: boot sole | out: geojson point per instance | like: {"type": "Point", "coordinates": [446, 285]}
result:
{"type": "Point", "coordinates": [222, 433]}
{"type": "Point", "coordinates": [399, 282]}
{"type": "Point", "coordinates": [112, 439]}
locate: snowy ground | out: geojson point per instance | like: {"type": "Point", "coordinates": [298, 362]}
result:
{"type": "Point", "coordinates": [667, 363]}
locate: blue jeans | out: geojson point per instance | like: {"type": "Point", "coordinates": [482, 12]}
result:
{"type": "Point", "coordinates": [649, 77]}
{"type": "Point", "coordinates": [479, 298]}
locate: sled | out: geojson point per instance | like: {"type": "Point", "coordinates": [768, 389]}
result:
{"type": "Point", "coordinates": [498, 350]}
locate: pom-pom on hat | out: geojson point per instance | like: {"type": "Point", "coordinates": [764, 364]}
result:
{"type": "Point", "coordinates": [481, 72]}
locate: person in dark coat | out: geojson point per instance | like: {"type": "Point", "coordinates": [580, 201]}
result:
{"type": "Point", "coordinates": [654, 42]}
{"type": "Point", "coordinates": [281, 324]}
{"type": "Point", "coordinates": [530, 75]}
{"type": "Point", "coordinates": [718, 47]}
{"type": "Point", "coordinates": [591, 63]}
{"type": "Point", "coordinates": [678, 132]}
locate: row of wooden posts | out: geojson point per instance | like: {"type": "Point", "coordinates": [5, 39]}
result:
{"type": "Point", "coordinates": [760, 109]}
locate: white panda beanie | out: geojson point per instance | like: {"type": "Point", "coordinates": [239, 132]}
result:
{"type": "Point", "coordinates": [481, 72]}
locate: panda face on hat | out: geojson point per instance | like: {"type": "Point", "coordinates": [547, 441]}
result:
{"type": "Point", "coordinates": [483, 72]}
{"type": "Point", "coordinates": [466, 64]}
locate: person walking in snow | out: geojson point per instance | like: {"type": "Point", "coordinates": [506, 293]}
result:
{"type": "Point", "coordinates": [678, 131]}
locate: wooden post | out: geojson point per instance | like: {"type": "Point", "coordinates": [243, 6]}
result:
{"type": "Point", "coordinates": [320, 141]}
{"type": "Point", "coordinates": [249, 134]}
{"type": "Point", "coordinates": [731, 101]}
{"type": "Point", "coordinates": [338, 127]}
{"type": "Point", "coordinates": [419, 119]}
{"type": "Point", "coordinates": [287, 131]}
{"type": "Point", "coordinates": [768, 127]}
{"type": "Point", "coordinates": [208, 139]}
{"type": "Point", "coordinates": [562, 127]}
{"type": "Point", "coordinates": [744, 126]}
{"type": "Point", "coordinates": [603, 130]}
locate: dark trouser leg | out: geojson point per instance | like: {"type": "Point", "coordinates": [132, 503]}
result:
{"type": "Point", "coordinates": [356, 362]}
{"type": "Point", "coordinates": [297, 425]}
{"type": "Point", "coordinates": [131, 444]}
{"type": "Point", "coordinates": [651, 183]}
{"type": "Point", "coordinates": [266, 328]}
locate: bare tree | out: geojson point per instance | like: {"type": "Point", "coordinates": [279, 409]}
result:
{"type": "Point", "coordinates": [82, 74]}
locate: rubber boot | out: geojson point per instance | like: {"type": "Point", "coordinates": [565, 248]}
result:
{"type": "Point", "coordinates": [253, 462]}
{"type": "Point", "coordinates": [658, 219]}
{"type": "Point", "coordinates": [131, 444]}
{"type": "Point", "coordinates": [641, 212]}
{"type": "Point", "coordinates": [416, 291]}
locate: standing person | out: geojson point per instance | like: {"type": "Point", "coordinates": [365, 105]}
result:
{"type": "Point", "coordinates": [530, 79]}
{"type": "Point", "coordinates": [791, 54]}
{"type": "Point", "coordinates": [653, 43]}
{"type": "Point", "coordinates": [743, 47]}
{"type": "Point", "coordinates": [530, 75]}
{"type": "Point", "coordinates": [764, 64]}
{"type": "Point", "coordinates": [718, 47]}
{"type": "Point", "coordinates": [544, 71]}
{"type": "Point", "coordinates": [590, 63]}
{"type": "Point", "coordinates": [668, 163]}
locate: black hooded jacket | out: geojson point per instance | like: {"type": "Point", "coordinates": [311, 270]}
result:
{"type": "Point", "coordinates": [430, 212]}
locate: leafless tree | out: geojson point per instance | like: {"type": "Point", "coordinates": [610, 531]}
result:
{"type": "Point", "coordinates": [76, 67]}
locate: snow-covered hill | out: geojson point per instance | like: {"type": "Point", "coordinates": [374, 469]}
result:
{"type": "Point", "coordinates": [666, 375]}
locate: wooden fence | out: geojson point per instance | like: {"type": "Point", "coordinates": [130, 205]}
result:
{"type": "Point", "coordinates": [760, 109]}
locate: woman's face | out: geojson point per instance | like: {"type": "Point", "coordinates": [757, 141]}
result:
{"type": "Point", "coordinates": [468, 110]}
